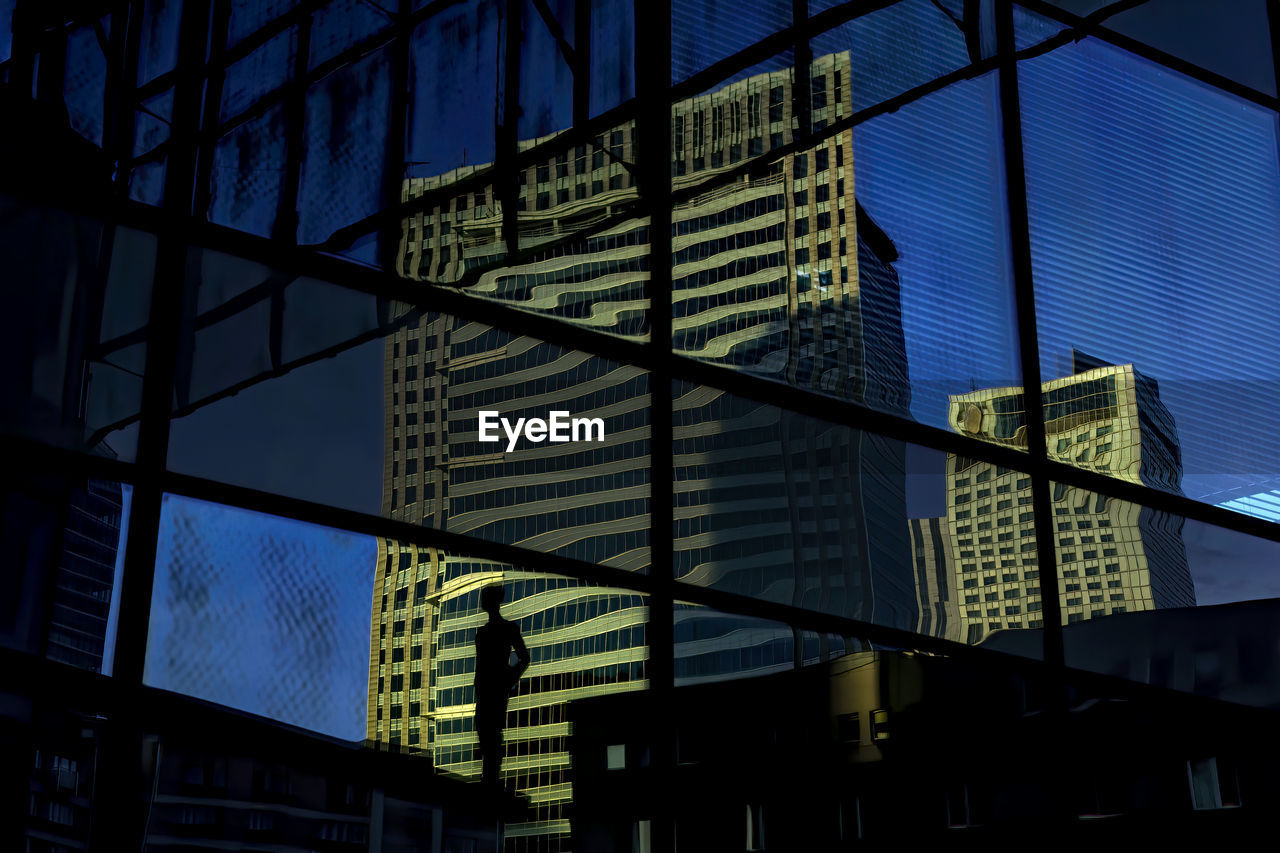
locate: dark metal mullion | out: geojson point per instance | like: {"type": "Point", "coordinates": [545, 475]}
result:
{"type": "Point", "coordinates": [654, 159]}
{"type": "Point", "coordinates": [772, 44]}
{"type": "Point", "coordinates": [285, 228]}
{"type": "Point", "coordinates": [122, 89]}
{"type": "Point", "coordinates": [507, 142]}
{"type": "Point", "coordinates": [1091, 25]}
{"type": "Point", "coordinates": [33, 456]}
{"type": "Point", "coordinates": [581, 62]}
{"type": "Point", "coordinates": [547, 562]}
{"type": "Point", "coordinates": [389, 238]}
{"type": "Point", "coordinates": [1028, 341]}
{"type": "Point", "coordinates": [166, 310]}
{"type": "Point", "coordinates": [208, 142]}
{"type": "Point", "coordinates": [39, 458]}
{"type": "Point", "coordinates": [802, 88]}
{"type": "Point", "coordinates": [116, 818]}
{"type": "Point", "coordinates": [360, 278]}
{"type": "Point", "coordinates": [1054, 676]}
{"type": "Point", "coordinates": [1273, 24]}
{"type": "Point", "coordinates": [304, 261]}
{"type": "Point", "coordinates": [653, 175]}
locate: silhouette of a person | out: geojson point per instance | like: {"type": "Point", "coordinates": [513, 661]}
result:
{"type": "Point", "coordinates": [496, 678]}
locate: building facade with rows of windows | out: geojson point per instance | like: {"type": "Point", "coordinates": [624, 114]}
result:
{"type": "Point", "coordinates": [776, 273]}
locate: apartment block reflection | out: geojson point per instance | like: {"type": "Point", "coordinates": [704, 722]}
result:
{"type": "Point", "coordinates": [779, 273]}
{"type": "Point", "coordinates": [63, 575]}
{"type": "Point", "coordinates": [1113, 557]}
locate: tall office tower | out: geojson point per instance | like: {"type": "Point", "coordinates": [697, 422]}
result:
{"type": "Point", "coordinates": [586, 500]}
{"type": "Point", "coordinates": [785, 275]}
{"type": "Point", "coordinates": [1113, 556]}
{"type": "Point", "coordinates": [777, 272]}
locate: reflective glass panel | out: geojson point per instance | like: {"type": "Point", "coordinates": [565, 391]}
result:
{"type": "Point", "coordinates": [1153, 206]}
{"type": "Point", "coordinates": [75, 336]}
{"type": "Point", "coordinates": [839, 267]}
{"type": "Point", "coordinates": [302, 388]}
{"type": "Point", "coordinates": [1227, 37]}
{"type": "Point", "coordinates": [705, 31]}
{"type": "Point", "coordinates": [370, 639]}
{"type": "Point", "coordinates": [791, 509]}
{"type": "Point", "coordinates": [1157, 598]}
{"type": "Point", "coordinates": [63, 562]}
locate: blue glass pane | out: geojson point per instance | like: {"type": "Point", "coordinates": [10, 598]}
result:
{"type": "Point", "coordinates": [302, 388]}
{"type": "Point", "coordinates": [453, 90]}
{"type": "Point", "coordinates": [262, 614]}
{"type": "Point", "coordinates": [705, 31]}
{"type": "Point", "coordinates": [75, 340]}
{"type": "Point", "coordinates": [1030, 29]}
{"type": "Point", "coordinates": [6, 27]}
{"type": "Point", "coordinates": [248, 174]}
{"type": "Point", "coordinates": [344, 168]}
{"type": "Point", "coordinates": [260, 73]}
{"type": "Point", "coordinates": [1227, 37]}
{"type": "Point", "coordinates": [897, 48]}
{"type": "Point", "coordinates": [342, 24]}
{"type": "Point", "coordinates": [85, 84]}
{"type": "Point", "coordinates": [613, 59]}
{"type": "Point", "coordinates": [158, 51]}
{"type": "Point", "coordinates": [1154, 206]}
{"type": "Point", "coordinates": [546, 76]}
{"type": "Point", "coordinates": [931, 176]}
{"type": "Point", "coordinates": [248, 16]}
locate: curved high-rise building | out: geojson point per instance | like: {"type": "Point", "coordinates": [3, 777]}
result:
{"type": "Point", "coordinates": [779, 273]}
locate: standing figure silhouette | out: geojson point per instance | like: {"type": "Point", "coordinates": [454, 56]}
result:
{"type": "Point", "coordinates": [496, 678]}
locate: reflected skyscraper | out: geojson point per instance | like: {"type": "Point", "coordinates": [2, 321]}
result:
{"type": "Point", "coordinates": [1113, 557]}
{"type": "Point", "coordinates": [779, 272]}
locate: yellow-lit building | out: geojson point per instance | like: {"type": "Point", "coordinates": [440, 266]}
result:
{"type": "Point", "coordinates": [1113, 556]}
{"type": "Point", "coordinates": [777, 273]}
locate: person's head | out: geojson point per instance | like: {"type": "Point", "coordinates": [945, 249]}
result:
{"type": "Point", "coordinates": [491, 598]}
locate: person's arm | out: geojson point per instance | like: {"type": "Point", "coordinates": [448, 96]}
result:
{"type": "Point", "coordinates": [522, 654]}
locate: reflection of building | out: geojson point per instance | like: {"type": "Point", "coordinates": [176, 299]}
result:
{"type": "Point", "coordinates": [778, 273]}
{"type": "Point", "coordinates": [886, 749]}
{"type": "Point", "coordinates": [78, 626]}
{"type": "Point", "coordinates": [61, 582]}
{"type": "Point", "coordinates": [1113, 557]}
{"type": "Point", "coordinates": [931, 560]}
{"type": "Point", "coordinates": [587, 501]}
{"type": "Point", "coordinates": [61, 749]}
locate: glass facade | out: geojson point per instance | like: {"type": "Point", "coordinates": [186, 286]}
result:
{"type": "Point", "coordinates": [770, 363]}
